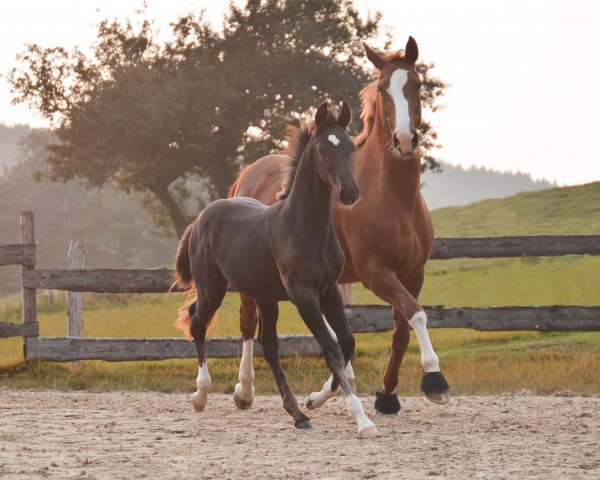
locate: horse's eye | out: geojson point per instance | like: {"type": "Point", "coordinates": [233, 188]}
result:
{"type": "Point", "coordinates": [353, 147]}
{"type": "Point", "coordinates": [380, 88]}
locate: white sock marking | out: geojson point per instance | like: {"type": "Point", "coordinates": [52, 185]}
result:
{"type": "Point", "coordinates": [203, 382]}
{"type": "Point", "coordinates": [245, 389]}
{"type": "Point", "coordinates": [333, 139]}
{"type": "Point", "coordinates": [397, 82]}
{"type": "Point", "coordinates": [356, 410]}
{"type": "Point", "coordinates": [429, 359]}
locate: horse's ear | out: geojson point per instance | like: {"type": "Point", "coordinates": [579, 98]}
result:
{"type": "Point", "coordinates": [345, 115]}
{"type": "Point", "coordinates": [321, 115]}
{"type": "Point", "coordinates": [412, 50]}
{"type": "Point", "coordinates": [376, 59]}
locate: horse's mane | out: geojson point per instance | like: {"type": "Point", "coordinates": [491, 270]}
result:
{"type": "Point", "coordinates": [297, 139]}
{"type": "Point", "coordinates": [368, 100]}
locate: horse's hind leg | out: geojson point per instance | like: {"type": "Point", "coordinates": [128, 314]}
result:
{"type": "Point", "coordinates": [243, 396]}
{"type": "Point", "coordinates": [270, 344]}
{"type": "Point", "coordinates": [201, 313]}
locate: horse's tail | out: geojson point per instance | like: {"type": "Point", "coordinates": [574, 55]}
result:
{"type": "Point", "coordinates": [183, 272]}
{"type": "Point", "coordinates": [184, 281]}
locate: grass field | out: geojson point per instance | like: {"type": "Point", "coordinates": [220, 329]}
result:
{"type": "Point", "coordinates": [474, 362]}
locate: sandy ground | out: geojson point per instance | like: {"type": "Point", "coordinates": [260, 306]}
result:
{"type": "Point", "coordinates": [134, 435]}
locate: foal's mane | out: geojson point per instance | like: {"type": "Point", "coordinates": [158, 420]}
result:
{"type": "Point", "coordinates": [297, 139]}
{"type": "Point", "coordinates": [368, 100]}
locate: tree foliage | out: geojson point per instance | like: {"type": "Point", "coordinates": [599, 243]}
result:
{"type": "Point", "coordinates": [153, 116]}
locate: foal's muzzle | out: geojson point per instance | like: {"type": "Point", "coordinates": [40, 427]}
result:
{"type": "Point", "coordinates": [348, 195]}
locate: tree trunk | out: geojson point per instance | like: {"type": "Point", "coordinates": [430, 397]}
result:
{"type": "Point", "coordinates": [221, 177]}
{"type": "Point", "coordinates": [175, 212]}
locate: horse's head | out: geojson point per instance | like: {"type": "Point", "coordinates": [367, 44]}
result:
{"type": "Point", "coordinates": [334, 152]}
{"type": "Point", "coordinates": [399, 91]}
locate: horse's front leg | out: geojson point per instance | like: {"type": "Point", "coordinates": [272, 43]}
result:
{"type": "Point", "coordinates": [385, 284]}
{"type": "Point", "coordinates": [308, 306]}
{"type": "Point", "coordinates": [270, 344]}
{"type": "Point", "coordinates": [243, 396]}
{"type": "Point", "coordinates": [333, 310]}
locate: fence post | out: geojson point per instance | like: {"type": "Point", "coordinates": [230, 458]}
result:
{"type": "Point", "coordinates": [75, 299]}
{"type": "Point", "coordinates": [347, 291]}
{"type": "Point", "coordinates": [28, 305]}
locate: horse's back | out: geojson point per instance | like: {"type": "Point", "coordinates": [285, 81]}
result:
{"type": "Point", "coordinates": [261, 179]}
{"type": "Point", "coordinates": [233, 236]}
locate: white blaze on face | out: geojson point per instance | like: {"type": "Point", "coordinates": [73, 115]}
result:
{"type": "Point", "coordinates": [397, 82]}
{"type": "Point", "coordinates": [333, 139]}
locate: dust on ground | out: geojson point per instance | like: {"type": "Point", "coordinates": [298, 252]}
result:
{"type": "Point", "coordinates": [131, 435]}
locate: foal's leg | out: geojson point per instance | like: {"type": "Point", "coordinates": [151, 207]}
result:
{"type": "Point", "coordinates": [308, 307]}
{"type": "Point", "coordinates": [333, 310]}
{"type": "Point", "coordinates": [243, 396]}
{"type": "Point", "coordinates": [270, 344]}
{"type": "Point", "coordinates": [385, 284]}
{"type": "Point", "coordinates": [201, 313]}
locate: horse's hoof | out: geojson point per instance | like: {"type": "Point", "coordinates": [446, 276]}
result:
{"type": "Point", "coordinates": [303, 424]}
{"type": "Point", "coordinates": [198, 407]}
{"type": "Point", "coordinates": [434, 382]}
{"type": "Point", "coordinates": [441, 398]}
{"type": "Point", "coordinates": [241, 403]}
{"type": "Point", "coordinates": [313, 404]}
{"type": "Point", "coordinates": [369, 431]}
{"type": "Point", "coordinates": [387, 404]}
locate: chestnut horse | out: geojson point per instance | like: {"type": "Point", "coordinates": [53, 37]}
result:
{"type": "Point", "coordinates": [288, 251]}
{"type": "Point", "coordinates": [387, 236]}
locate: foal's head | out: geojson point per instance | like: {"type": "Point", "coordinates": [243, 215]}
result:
{"type": "Point", "coordinates": [334, 151]}
{"type": "Point", "coordinates": [397, 87]}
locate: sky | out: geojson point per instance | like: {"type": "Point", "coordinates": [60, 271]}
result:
{"type": "Point", "coordinates": [524, 75]}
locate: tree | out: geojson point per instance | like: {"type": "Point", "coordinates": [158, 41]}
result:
{"type": "Point", "coordinates": [152, 117]}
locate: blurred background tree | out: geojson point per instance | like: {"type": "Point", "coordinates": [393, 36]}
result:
{"type": "Point", "coordinates": [174, 120]}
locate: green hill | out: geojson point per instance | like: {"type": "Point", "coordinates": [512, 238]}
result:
{"type": "Point", "coordinates": [555, 211]}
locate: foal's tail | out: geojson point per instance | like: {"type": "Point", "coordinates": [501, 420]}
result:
{"type": "Point", "coordinates": [184, 281]}
{"type": "Point", "coordinates": [183, 272]}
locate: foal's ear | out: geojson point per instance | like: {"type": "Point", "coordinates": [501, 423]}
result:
{"type": "Point", "coordinates": [345, 115]}
{"type": "Point", "coordinates": [321, 115]}
{"type": "Point", "coordinates": [412, 50]}
{"type": "Point", "coordinates": [376, 59]}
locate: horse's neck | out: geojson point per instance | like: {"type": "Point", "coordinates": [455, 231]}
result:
{"type": "Point", "coordinates": [309, 201]}
{"type": "Point", "coordinates": [398, 177]}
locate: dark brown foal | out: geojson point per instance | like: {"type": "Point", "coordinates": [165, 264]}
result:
{"type": "Point", "coordinates": [286, 251]}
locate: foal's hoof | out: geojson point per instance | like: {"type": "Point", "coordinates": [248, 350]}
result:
{"type": "Point", "coordinates": [198, 403]}
{"type": "Point", "coordinates": [303, 424]}
{"type": "Point", "coordinates": [441, 398]}
{"type": "Point", "coordinates": [435, 387]}
{"type": "Point", "coordinates": [242, 403]}
{"type": "Point", "coordinates": [369, 431]}
{"type": "Point", "coordinates": [198, 406]}
{"type": "Point", "coordinates": [387, 404]}
{"type": "Point", "coordinates": [315, 400]}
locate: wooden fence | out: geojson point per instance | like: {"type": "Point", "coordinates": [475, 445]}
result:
{"type": "Point", "coordinates": [362, 318]}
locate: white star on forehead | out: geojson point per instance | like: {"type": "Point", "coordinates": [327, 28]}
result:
{"type": "Point", "coordinates": [333, 139]}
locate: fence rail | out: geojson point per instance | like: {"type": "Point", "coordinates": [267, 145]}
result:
{"type": "Point", "coordinates": [17, 255]}
{"type": "Point", "coordinates": [362, 318]}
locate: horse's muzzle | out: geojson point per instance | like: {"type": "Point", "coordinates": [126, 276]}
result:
{"type": "Point", "coordinates": [348, 195]}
